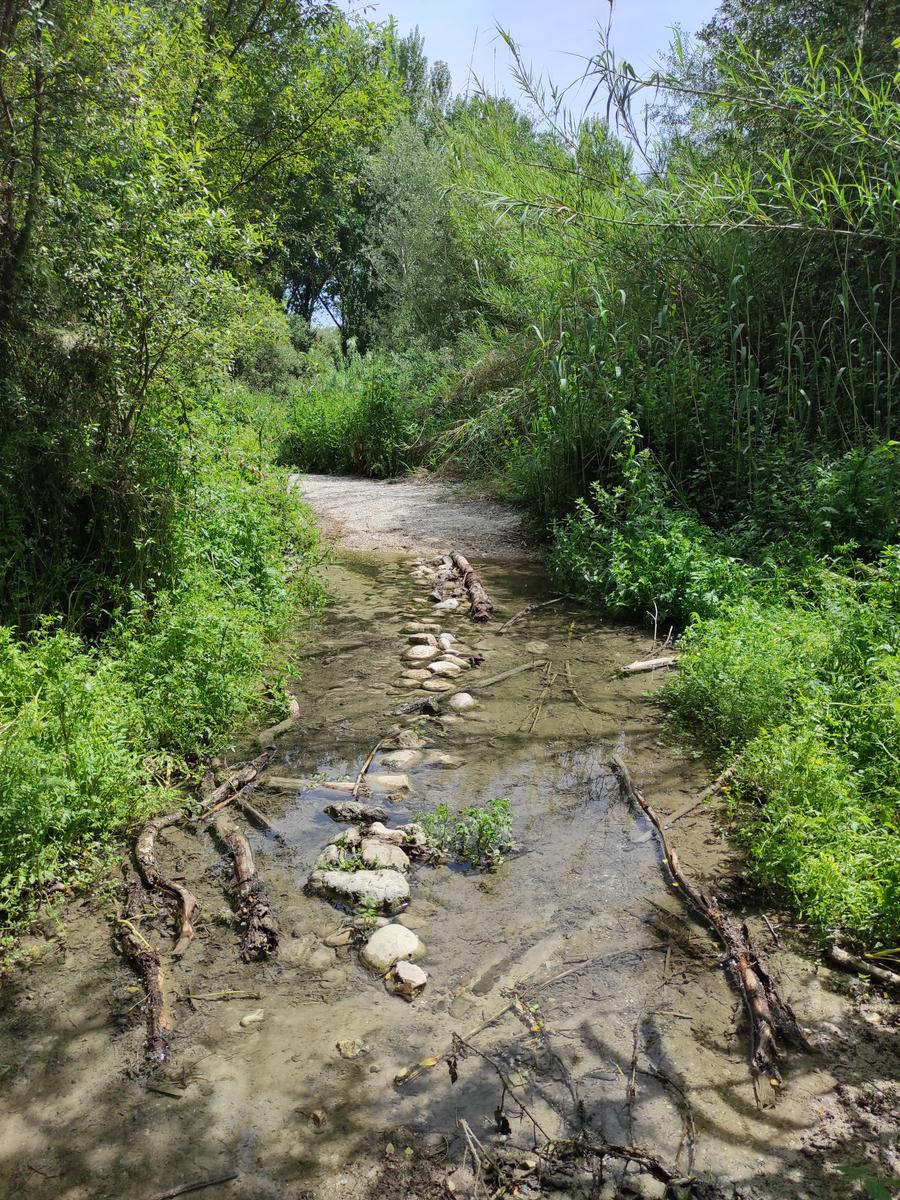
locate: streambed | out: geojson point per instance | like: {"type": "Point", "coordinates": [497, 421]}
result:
{"type": "Point", "coordinates": [626, 1026]}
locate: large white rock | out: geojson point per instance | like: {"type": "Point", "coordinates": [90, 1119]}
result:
{"type": "Point", "coordinates": [436, 685]}
{"type": "Point", "coordinates": [378, 782]}
{"type": "Point", "coordinates": [421, 654]}
{"type": "Point", "coordinates": [389, 890]}
{"type": "Point", "coordinates": [445, 640]}
{"type": "Point", "coordinates": [400, 759]}
{"type": "Point", "coordinates": [457, 660]}
{"type": "Point", "coordinates": [376, 853]}
{"type": "Point", "coordinates": [448, 605]}
{"type": "Point", "coordinates": [462, 702]}
{"type": "Point", "coordinates": [377, 830]}
{"type": "Point", "coordinates": [389, 945]}
{"type": "Point", "coordinates": [423, 639]}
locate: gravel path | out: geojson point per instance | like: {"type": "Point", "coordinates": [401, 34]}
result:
{"type": "Point", "coordinates": [424, 514]}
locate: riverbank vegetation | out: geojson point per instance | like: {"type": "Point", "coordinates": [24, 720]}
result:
{"type": "Point", "coordinates": [665, 324]}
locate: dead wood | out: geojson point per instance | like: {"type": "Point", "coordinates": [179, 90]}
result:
{"type": "Point", "coordinates": [433, 702]}
{"type": "Point", "coordinates": [768, 1014]}
{"type": "Point", "coordinates": [253, 908]}
{"type": "Point", "coordinates": [282, 783]}
{"type": "Point", "coordinates": [710, 790]}
{"type": "Point", "coordinates": [196, 1186]}
{"type": "Point", "coordinates": [851, 962]}
{"type": "Point", "coordinates": [145, 854]}
{"type": "Point", "coordinates": [147, 963]}
{"type": "Point", "coordinates": [256, 817]}
{"type": "Point", "coordinates": [226, 791]}
{"type": "Point", "coordinates": [648, 664]}
{"type": "Point", "coordinates": [528, 609]}
{"type": "Point", "coordinates": [364, 768]}
{"type": "Point", "coordinates": [480, 606]}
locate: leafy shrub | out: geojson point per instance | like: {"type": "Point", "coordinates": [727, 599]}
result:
{"type": "Point", "coordinates": [478, 835]}
{"type": "Point", "coordinates": [631, 554]}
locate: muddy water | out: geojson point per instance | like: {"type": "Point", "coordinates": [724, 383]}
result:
{"type": "Point", "coordinates": [626, 1026]}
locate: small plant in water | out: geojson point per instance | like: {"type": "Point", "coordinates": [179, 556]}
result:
{"type": "Point", "coordinates": [368, 913]}
{"type": "Point", "coordinates": [479, 835]}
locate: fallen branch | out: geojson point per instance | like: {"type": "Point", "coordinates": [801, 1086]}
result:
{"type": "Point", "coordinates": [256, 817]}
{"type": "Point", "coordinates": [254, 911]}
{"type": "Point", "coordinates": [226, 791]}
{"type": "Point", "coordinates": [282, 783]}
{"type": "Point", "coordinates": [145, 854]}
{"type": "Point", "coordinates": [364, 768]}
{"type": "Point", "coordinates": [148, 964]}
{"type": "Point", "coordinates": [480, 606]}
{"type": "Point", "coordinates": [648, 664]}
{"type": "Point", "coordinates": [767, 1012]}
{"type": "Point", "coordinates": [712, 789]}
{"type": "Point", "coordinates": [433, 702]}
{"type": "Point", "coordinates": [197, 1186]}
{"type": "Point", "coordinates": [528, 609]}
{"type": "Point", "coordinates": [851, 962]}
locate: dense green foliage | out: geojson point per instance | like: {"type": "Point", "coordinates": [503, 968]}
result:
{"type": "Point", "coordinates": [169, 173]}
{"type": "Point", "coordinates": [677, 350]}
{"type": "Point", "coordinates": [479, 835]}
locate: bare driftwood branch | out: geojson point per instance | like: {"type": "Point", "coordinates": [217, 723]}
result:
{"type": "Point", "coordinates": [768, 1014]}
{"type": "Point", "coordinates": [364, 768]}
{"type": "Point", "coordinates": [145, 854]}
{"type": "Point", "coordinates": [648, 664]}
{"type": "Point", "coordinates": [851, 962]}
{"type": "Point", "coordinates": [226, 791]}
{"type": "Point", "coordinates": [480, 606]}
{"type": "Point", "coordinates": [710, 790]}
{"type": "Point", "coordinates": [253, 908]}
{"type": "Point", "coordinates": [528, 609]}
{"type": "Point", "coordinates": [197, 1186]}
{"type": "Point", "coordinates": [148, 964]}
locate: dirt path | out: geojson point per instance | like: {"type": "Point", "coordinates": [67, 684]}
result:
{"type": "Point", "coordinates": [372, 514]}
{"type": "Point", "coordinates": [625, 1028]}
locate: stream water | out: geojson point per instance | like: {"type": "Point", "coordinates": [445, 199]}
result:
{"type": "Point", "coordinates": [626, 1027]}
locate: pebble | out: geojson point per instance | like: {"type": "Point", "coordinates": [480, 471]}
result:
{"type": "Point", "coordinates": [421, 653]}
{"type": "Point", "coordinates": [448, 670]}
{"type": "Point", "coordinates": [252, 1018]}
{"type": "Point", "coordinates": [462, 702]}
{"type": "Point", "coordinates": [408, 980]}
{"type": "Point", "coordinates": [388, 945]}
{"type": "Point", "coordinates": [437, 685]}
{"type": "Point", "coordinates": [352, 1048]}
{"type": "Point", "coordinates": [377, 830]}
{"type": "Point", "coordinates": [406, 739]}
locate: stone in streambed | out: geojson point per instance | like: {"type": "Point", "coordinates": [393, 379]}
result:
{"type": "Point", "coordinates": [421, 654]}
{"type": "Point", "coordinates": [418, 673]}
{"type": "Point", "coordinates": [355, 810]}
{"type": "Point", "coordinates": [447, 670]}
{"type": "Point", "coordinates": [437, 758]}
{"type": "Point", "coordinates": [341, 937]}
{"type": "Point", "coordinates": [408, 980]}
{"type": "Point", "coordinates": [376, 853]}
{"type": "Point", "coordinates": [457, 660]}
{"type": "Point", "coordinates": [379, 782]}
{"type": "Point", "coordinates": [422, 639]}
{"type": "Point", "coordinates": [462, 702]}
{"type": "Point", "coordinates": [386, 889]}
{"type": "Point", "coordinates": [389, 945]}
{"type": "Point", "coordinates": [401, 758]}
{"type": "Point", "coordinates": [437, 685]}
{"type": "Point", "coordinates": [413, 627]}
{"type": "Point", "coordinates": [445, 640]}
{"type": "Point", "coordinates": [408, 683]}
{"type": "Point", "coordinates": [448, 605]}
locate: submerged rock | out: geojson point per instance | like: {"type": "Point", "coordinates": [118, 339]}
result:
{"type": "Point", "coordinates": [376, 853]}
{"type": "Point", "coordinates": [413, 627]}
{"type": "Point", "coordinates": [386, 889]}
{"type": "Point", "coordinates": [355, 810]}
{"type": "Point", "coordinates": [401, 758]}
{"type": "Point", "coordinates": [445, 640]}
{"type": "Point", "coordinates": [448, 605]}
{"type": "Point", "coordinates": [416, 673]}
{"type": "Point", "coordinates": [436, 685]}
{"type": "Point", "coordinates": [437, 758]}
{"type": "Point", "coordinates": [406, 739]}
{"type": "Point", "coordinates": [421, 654]}
{"type": "Point", "coordinates": [388, 945]}
{"type": "Point", "coordinates": [388, 783]}
{"type": "Point", "coordinates": [462, 702]}
{"type": "Point", "coordinates": [408, 980]}
{"type": "Point", "coordinates": [423, 639]}
{"type": "Point", "coordinates": [408, 683]}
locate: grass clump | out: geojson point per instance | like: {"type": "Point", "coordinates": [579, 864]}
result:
{"type": "Point", "coordinates": [479, 835]}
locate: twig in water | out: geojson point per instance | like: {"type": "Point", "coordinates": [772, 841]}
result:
{"type": "Point", "coordinates": [364, 768]}
{"type": "Point", "coordinates": [530, 608]}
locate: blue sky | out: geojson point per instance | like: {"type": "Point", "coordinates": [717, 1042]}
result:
{"type": "Point", "coordinates": [555, 35]}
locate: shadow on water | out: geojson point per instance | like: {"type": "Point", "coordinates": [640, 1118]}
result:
{"type": "Point", "coordinates": [624, 1026]}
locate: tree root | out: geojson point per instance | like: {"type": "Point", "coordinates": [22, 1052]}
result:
{"type": "Point", "coordinates": [480, 606]}
{"type": "Point", "coordinates": [148, 964]}
{"type": "Point", "coordinates": [145, 854]}
{"type": "Point", "coordinates": [226, 791]}
{"type": "Point", "coordinates": [768, 1014]}
{"type": "Point", "coordinates": [253, 908]}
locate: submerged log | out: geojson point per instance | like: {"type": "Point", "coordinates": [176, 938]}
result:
{"type": "Point", "coordinates": [147, 962]}
{"type": "Point", "coordinates": [480, 606]}
{"type": "Point", "coordinates": [768, 1014]}
{"type": "Point", "coordinates": [145, 854]}
{"type": "Point", "coordinates": [253, 908]}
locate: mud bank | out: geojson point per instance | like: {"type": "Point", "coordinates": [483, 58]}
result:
{"type": "Point", "coordinates": [625, 1026]}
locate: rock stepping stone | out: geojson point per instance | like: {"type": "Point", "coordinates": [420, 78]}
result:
{"type": "Point", "coordinates": [448, 670]}
{"type": "Point", "coordinates": [423, 639]}
{"type": "Point", "coordinates": [400, 759]}
{"type": "Point", "coordinates": [445, 640]}
{"type": "Point", "coordinates": [437, 685]}
{"type": "Point", "coordinates": [462, 702]}
{"type": "Point", "coordinates": [387, 889]}
{"type": "Point", "coordinates": [377, 854]}
{"type": "Point", "coordinates": [355, 810]}
{"type": "Point", "coordinates": [448, 605]}
{"type": "Point", "coordinates": [390, 945]}
{"type": "Point", "coordinates": [416, 673]}
{"type": "Point", "coordinates": [421, 654]}
{"type": "Point", "coordinates": [407, 980]}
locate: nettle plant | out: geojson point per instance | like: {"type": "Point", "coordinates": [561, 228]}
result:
{"type": "Point", "coordinates": [480, 835]}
